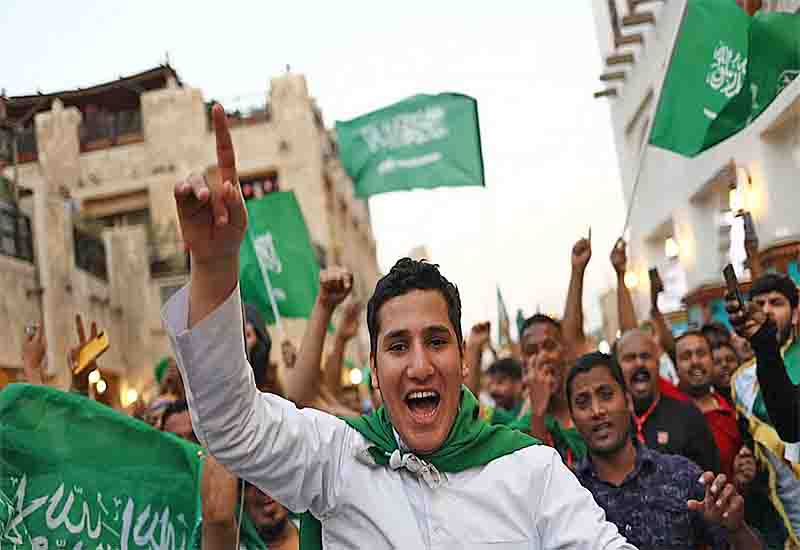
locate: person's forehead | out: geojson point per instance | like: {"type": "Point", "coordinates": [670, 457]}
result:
{"type": "Point", "coordinates": [588, 381]}
{"type": "Point", "coordinates": [769, 296]}
{"type": "Point", "coordinates": [178, 420]}
{"type": "Point", "coordinates": [414, 311]}
{"type": "Point", "coordinates": [635, 342]}
{"type": "Point", "coordinates": [541, 331]}
{"type": "Point", "coordinates": [691, 342]}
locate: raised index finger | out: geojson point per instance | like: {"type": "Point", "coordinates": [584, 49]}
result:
{"type": "Point", "coordinates": [226, 158]}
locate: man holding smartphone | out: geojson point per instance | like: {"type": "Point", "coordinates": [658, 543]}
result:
{"type": "Point", "coordinates": [765, 389]}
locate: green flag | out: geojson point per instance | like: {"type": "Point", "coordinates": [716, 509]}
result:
{"type": "Point", "coordinates": [520, 322]}
{"type": "Point", "coordinates": [278, 246]}
{"type": "Point", "coordinates": [502, 321]}
{"type": "Point", "coordinates": [726, 69]}
{"type": "Point", "coordinates": [76, 474]}
{"type": "Point", "coordinates": [422, 142]}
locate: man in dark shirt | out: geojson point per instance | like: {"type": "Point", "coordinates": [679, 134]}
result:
{"type": "Point", "coordinates": [655, 500]}
{"type": "Point", "coordinates": [662, 423]}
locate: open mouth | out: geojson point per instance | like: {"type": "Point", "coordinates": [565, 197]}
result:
{"type": "Point", "coordinates": [697, 373]}
{"type": "Point", "coordinates": [602, 430]}
{"type": "Point", "coordinates": [640, 380]}
{"type": "Point", "coordinates": [423, 404]}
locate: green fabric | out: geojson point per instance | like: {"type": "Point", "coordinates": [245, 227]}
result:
{"type": "Point", "coordinates": [421, 142]}
{"type": "Point", "coordinates": [505, 417]}
{"type": "Point", "coordinates": [564, 439]}
{"type": "Point", "coordinates": [791, 359]}
{"type": "Point", "coordinates": [80, 472]}
{"type": "Point", "coordinates": [471, 443]}
{"type": "Point", "coordinates": [277, 245]}
{"type": "Point", "coordinates": [726, 69]}
{"type": "Point", "coordinates": [249, 538]}
{"type": "Point", "coordinates": [161, 369]}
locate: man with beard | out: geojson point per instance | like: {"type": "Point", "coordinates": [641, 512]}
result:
{"type": "Point", "coordinates": [726, 362]}
{"type": "Point", "coordinates": [765, 390]}
{"type": "Point", "coordinates": [423, 471]}
{"type": "Point", "coordinates": [663, 423]}
{"type": "Point", "coordinates": [544, 355]}
{"type": "Point", "coordinates": [267, 522]}
{"type": "Point", "coordinates": [695, 364]}
{"type": "Point", "coordinates": [656, 500]}
{"type": "Point", "coordinates": [505, 388]}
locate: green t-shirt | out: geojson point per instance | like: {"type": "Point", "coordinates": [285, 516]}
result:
{"type": "Point", "coordinates": [567, 441]}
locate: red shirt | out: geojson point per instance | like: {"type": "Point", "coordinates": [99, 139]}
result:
{"type": "Point", "coordinates": [723, 425]}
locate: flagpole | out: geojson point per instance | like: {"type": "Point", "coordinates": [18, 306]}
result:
{"type": "Point", "coordinates": [646, 145]}
{"type": "Point", "coordinates": [274, 304]}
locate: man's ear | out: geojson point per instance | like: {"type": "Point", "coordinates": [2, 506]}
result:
{"type": "Point", "coordinates": [373, 372]}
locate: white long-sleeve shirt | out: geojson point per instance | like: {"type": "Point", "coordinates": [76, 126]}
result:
{"type": "Point", "coordinates": [308, 460]}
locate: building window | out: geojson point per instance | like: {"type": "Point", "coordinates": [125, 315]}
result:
{"type": "Point", "coordinates": [255, 187]}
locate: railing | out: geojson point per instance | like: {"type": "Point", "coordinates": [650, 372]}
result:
{"type": "Point", "coordinates": [90, 254]}
{"type": "Point", "coordinates": [16, 239]}
{"type": "Point", "coordinates": [101, 129]}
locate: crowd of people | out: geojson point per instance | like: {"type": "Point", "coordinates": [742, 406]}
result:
{"type": "Point", "coordinates": [687, 441]}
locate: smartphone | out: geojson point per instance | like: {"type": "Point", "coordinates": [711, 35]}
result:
{"type": "Point", "coordinates": [91, 351]}
{"type": "Point", "coordinates": [656, 284]}
{"type": "Point", "coordinates": [749, 227]}
{"type": "Point", "coordinates": [733, 285]}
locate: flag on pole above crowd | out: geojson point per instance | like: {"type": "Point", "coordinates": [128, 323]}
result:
{"type": "Point", "coordinates": [726, 69]}
{"type": "Point", "coordinates": [520, 323]}
{"type": "Point", "coordinates": [421, 142]}
{"type": "Point", "coordinates": [503, 327]}
{"type": "Point", "coordinates": [278, 270]}
{"type": "Point", "coordinates": [78, 474]}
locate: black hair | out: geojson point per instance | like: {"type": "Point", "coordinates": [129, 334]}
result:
{"type": "Point", "coordinates": [408, 275]}
{"type": "Point", "coordinates": [729, 345]}
{"type": "Point", "coordinates": [508, 368]}
{"type": "Point", "coordinates": [716, 332]}
{"type": "Point", "coordinates": [539, 318]}
{"type": "Point", "coordinates": [259, 355]}
{"type": "Point", "coordinates": [176, 407]}
{"type": "Point", "coordinates": [699, 333]}
{"type": "Point", "coordinates": [590, 361]}
{"type": "Point", "coordinates": [775, 282]}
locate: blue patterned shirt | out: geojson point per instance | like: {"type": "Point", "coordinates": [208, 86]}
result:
{"type": "Point", "coordinates": [649, 507]}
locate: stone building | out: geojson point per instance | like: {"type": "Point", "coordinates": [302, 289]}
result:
{"type": "Point", "coordinates": [684, 215]}
{"type": "Point", "coordinates": [92, 227]}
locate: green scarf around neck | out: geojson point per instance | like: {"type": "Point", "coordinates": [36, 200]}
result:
{"type": "Point", "coordinates": [471, 443]}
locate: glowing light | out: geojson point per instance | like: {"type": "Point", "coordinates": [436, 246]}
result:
{"type": "Point", "coordinates": [603, 347]}
{"type": "Point", "coordinates": [631, 279]}
{"type": "Point", "coordinates": [94, 376]}
{"type": "Point", "coordinates": [356, 377]}
{"type": "Point", "coordinates": [736, 199]}
{"type": "Point", "coordinates": [131, 396]}
{"type": "Point", "coordinates": [101, 386]}
{"type": "Point", "coordinates": [671, 248]}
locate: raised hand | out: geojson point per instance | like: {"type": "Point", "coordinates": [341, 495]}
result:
{"type": "Point", "coordinates": [581, 254]}
{"type": "Point", "coordinates": [34, 349]}
{"type": "Point", "coordinates": [619, 257]}
{"type": "Point", "coordinates": [80, 381]}
{"type": "Point", "coordinates": [348, 324]}
{"type": "Point", "coordinates": [335, 284]}
{"type": "Point", "coordinates": [213, 217]}
{"type": "Point", "coordinates": [746, 322]}
{"type": "Point", "coordinates": [479, 336]}
{"type": "Point", "coordinates": [540, 382]}
{"type": "Point", "coordinates": [744, 468]}
{"type": "Point", "coordinates": [721, 504]}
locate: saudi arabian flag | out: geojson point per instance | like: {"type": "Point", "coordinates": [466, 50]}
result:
{"type": "Point", "coordinates": [277, 253]}
{"type": "Point", "coordinates": [78, 475]}
{"type": "Point", "coordinates": [422, 142]}
{"type": "Point", "coordinates": [726, 69]}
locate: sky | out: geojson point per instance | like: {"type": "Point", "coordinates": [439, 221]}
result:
{"type": "Point", "coordinates": [550, 162]}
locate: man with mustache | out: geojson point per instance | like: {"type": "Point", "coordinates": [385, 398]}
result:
{"type": "Point", "coordinates": [695, 365]}
{"type": "Point", "coordinates": [656, 500]}
{"type": "Point", "coordinates": [424, 471]}
{"type": "Point", "coordinates": [662, 423]}
{"type": "Point", "coordinates": [766, 392]}
{"type": "Point", "coordinates": [267, 522]}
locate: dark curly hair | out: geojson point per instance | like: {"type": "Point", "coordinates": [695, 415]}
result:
{"type": "Point", "coordinates": [408, 275]}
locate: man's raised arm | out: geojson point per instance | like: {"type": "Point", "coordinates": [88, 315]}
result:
{"type": "Point", "coordinates": [573, 310]}
{"type": "Point", "coordinates": [290, 454]}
